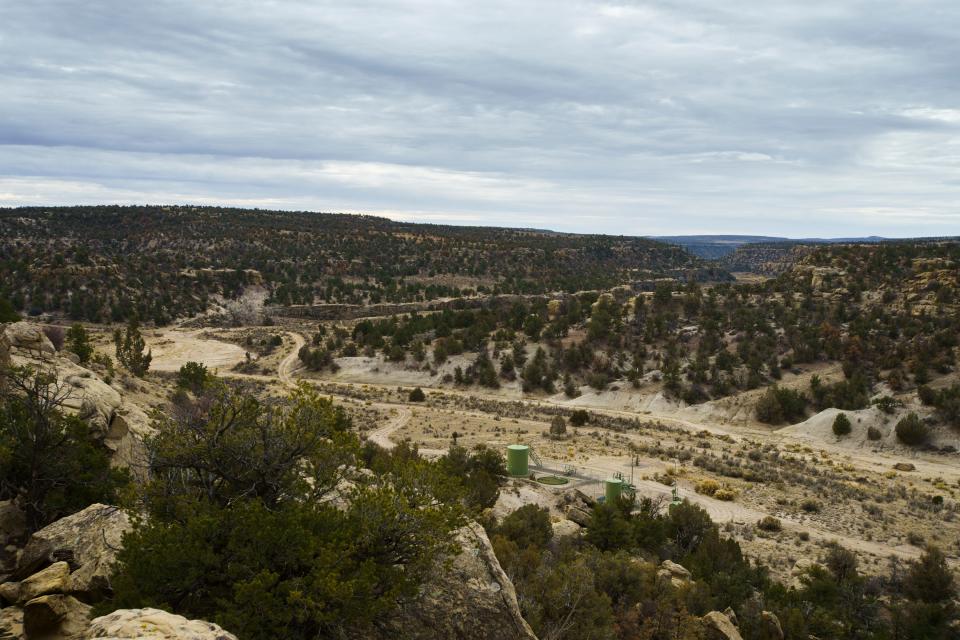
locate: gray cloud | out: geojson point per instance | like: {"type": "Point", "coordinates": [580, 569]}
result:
{"type": "Point", "coordinates": [797, 118]}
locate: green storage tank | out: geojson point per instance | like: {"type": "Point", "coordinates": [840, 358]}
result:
{"type": "Point", "coordinates": [517, 455]}
{"type": "Point", "coordinates": [612, 489]}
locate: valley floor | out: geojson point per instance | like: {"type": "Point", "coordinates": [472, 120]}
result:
{"type": "Point", "coordinates": [820, 489]}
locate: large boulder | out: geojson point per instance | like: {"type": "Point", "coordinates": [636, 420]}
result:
{"type": "Point", "coordinates": [153, 624]}
{"type": "Point", "coordinates": [719, 627]}
{"type": "Point", "coordinates": [126, 438]}
{"type": "Point", "coordinates": [53, 579]}
{"type": "Point", "coordinates": [673, 573]}
{"type": "Point", "coordinates": [578, 507]}
{"type": "Point", "coordinates": [28, 337]}
{"type": "Point", "coordinates": [90, 397]}
{"type": "Point", "coordinates": [11, 623]}
{"type": "Point", "coordinates": [469, 597]}
{"type": "Point", "coordinates": [87, 540]}
{"type": "Point", "coordinates": [55, 616]}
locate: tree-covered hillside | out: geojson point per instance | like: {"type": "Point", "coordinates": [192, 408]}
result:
{"type": "Point", "coordinates": [105, 263]}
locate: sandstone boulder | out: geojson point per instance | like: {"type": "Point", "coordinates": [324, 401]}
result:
{"type": "Point", "coordinates": [565, 528]}
{"type": "Point", "coordinates": [55, 616]}
{"type": "Point", "coordinates": [579, 516]}
{"type": "Point", "coordinates": [578, 507]}
{"type": "Point", "coordinates": [675, 574]}
{"type": "Point", "coordinates": [126, 438]}
{"type": "Point", "coordinates": [29, 338]}
{"type": "Point", "coordinates": [53, 579]}
{"type": "Point", "coordinates": [469, 597]}
{"type": "Point", "coordinates": [90, 397]}
{"type": "Point", "coordinates": [9, 593]}
{"type": "Point", "coordinates": [153, 624]}
{"type": "Point", "coordinates": [11, 623]}
{"type": "Point", "coordinates": [719, 627]}
{"type": "Point", "coordinates": [88, 540]}
{"type": "Point", "coordinates": [904, 466]}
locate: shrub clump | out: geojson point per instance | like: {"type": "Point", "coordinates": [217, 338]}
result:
{"type": "Point", "coordinates": [841, 425]}
{"type": "Point", "coordinates": [911, 430]}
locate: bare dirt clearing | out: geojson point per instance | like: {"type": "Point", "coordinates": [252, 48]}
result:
{"type": "Point", "coordinates": [174, 348]}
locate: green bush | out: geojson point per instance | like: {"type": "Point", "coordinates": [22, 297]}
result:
{"type": "Point", "coordinates": [49, 461]}
{"type": "Point", "coordinates": [417, 395]}
{"type": "Point", "coordinates": [911, 430]}
{"type": "Point", "coordinates": [778, 405]}
{"type": "Point", "coordinates": [479, 474]}
{"type": "Point", "coordinates": [7, 312]}
{"type": "Point", "coordinates": [528, 526]}
{"type": "Point", "coordinates": [78, 341]}
{"type": "Point", "coordinates": [194, 376]}
{"type": "Point", "coordinates": [243, 528]}
{"type": "Point", "coordinates": [769, 523]}
{"type": "Point", "coordinates": [579, 418]}
{"type": "Point", "coordinates": [841, 425]}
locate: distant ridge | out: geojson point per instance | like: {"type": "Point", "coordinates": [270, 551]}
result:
{"type": "Point", "coordinates": [712, 247]}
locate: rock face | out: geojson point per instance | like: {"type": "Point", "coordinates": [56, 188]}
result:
{"type": "Point", "coordinates": [578, 507]}
{"type": "Point", "coordinates": [11, 623]}
{"type": "Point", "coordinates": [55, 616]}
{"type": "Point", "coordinates": [121, 427]}
{"type": "Point", "coordinates": [28, 337]}
{"type": "Point", "coordinates": [87, 541]}
{"type": "Point", "coordinates": [53, 579]}
{"type": "Point", "coordinates": [719, 627]}
{"type": "Point", "coordinates": [770, 626]}
{"type": "Point", "coordinates": [675, 574]}
{"type": "Point", "coordinates": [153, 624]}
{"type": "Point", "coordinates": [471, 599]}
{"type": "Point", "coordinates": [565, 529]}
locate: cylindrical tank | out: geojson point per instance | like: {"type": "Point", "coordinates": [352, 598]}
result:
{"type": "Point", "coordinates": [517, 455]}
{"type": "Point", "coordinates": [612, 489]}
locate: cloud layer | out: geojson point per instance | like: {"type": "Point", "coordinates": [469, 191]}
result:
{"type": "Point", "coordinates": [789, 118]}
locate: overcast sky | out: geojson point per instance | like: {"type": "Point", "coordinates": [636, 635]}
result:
{"type": "Point", "coordinates": [803, 118]}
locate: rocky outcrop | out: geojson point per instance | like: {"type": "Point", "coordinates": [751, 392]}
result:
{"type": "Point", "coordinates": [564, 528]}
{"type": "Point", "coordinates": [719, 627]}
{"type": "Point", "coordinates": [55, 616]}
{"type": "Point", "coordinates": [90, 397]}
{"type": "Point", "coordinates": [29, 338]}
{"type": "Point", "coordinates": [673, 573]}
{"type": "Point", "coordinates": [53, 579]}
{"type": "Point", "coordinates": [121, 427]}
{"type": "Point", "coordinates": [129, 429]}
{"type": "Point", "coordinates": [153, 624]}
{"type": "Point", "coordinates": [11, 623]}
{"type": "Point", "coordinates": [87, 541]}
{"type": "Point", "coordinates": [469, 597]}
{"type": "Point", "coordinates": [578, 507]}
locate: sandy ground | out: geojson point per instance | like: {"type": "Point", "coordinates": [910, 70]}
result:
{"type": "Point", "coordinates": [174, 348]}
